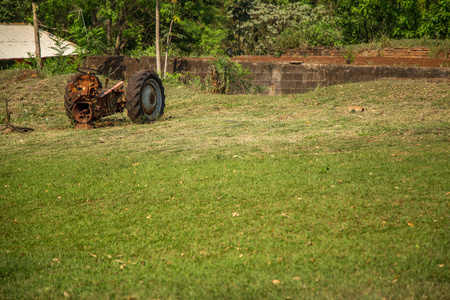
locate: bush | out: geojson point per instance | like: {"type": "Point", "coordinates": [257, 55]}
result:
{"type": "Point", "coordinates": [172, 79]}
{"type": "Point", "coordinates": [228, 77]}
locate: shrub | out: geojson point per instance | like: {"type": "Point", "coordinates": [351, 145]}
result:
{"type": "Point", "coordinates": [228, 77]}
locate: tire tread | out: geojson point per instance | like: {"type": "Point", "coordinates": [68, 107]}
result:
{"type": "Point", "coordinates": [133, 94]}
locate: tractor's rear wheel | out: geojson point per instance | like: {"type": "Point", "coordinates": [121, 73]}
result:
{"type": "Point", "coordinates": [145, 99]}
{"type": "Point", "coordinates": [68, 101]}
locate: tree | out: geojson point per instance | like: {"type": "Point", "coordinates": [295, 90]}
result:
{"type": "Point", "coordinates": [239, 12]}
{"type": "Point", "coordinates": [158, 53]}
{"type": "Point", "coordinates": [436, 20]}
{"type": "Point", "coordinates": [14, 11]}
{"type": "Point", "coordinates": [208, 27]}
{"type": "Point", "coordinates": [174, 19]}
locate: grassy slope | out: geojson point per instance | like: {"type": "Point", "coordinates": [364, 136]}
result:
{"type": "Point", "coordinates": [230, 196]}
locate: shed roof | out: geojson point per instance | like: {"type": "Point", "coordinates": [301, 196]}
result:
{"type": "Point", "coordinates": [17, 40]}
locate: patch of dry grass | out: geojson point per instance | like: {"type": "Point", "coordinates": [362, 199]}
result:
{"type": "Point", "coordinates": [196, 121]}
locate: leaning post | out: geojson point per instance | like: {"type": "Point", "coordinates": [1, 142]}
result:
{"type": "Point", "coordinates": [37, 42]}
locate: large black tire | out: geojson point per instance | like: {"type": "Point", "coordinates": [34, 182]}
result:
{"type": "Point", "coordinates": [68, 102]}
{"type": "Point", "coordinates": [145, 99]}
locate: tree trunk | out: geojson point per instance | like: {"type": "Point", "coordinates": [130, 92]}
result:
{"type": "Point", "coordinates": [365, 30]}
{"type": "Point", "coordinates": [169, 38]}
{"type": "Point", "coordinates": [158, 52]}
{"type": "Point", "coordinates": [118, 44]}
{"type": "Point", "coordinates": [121, 25]}
{"type": "Point", "coordinates": [108, 30]}
{"type": "Point", "coordinates": [37, 42]}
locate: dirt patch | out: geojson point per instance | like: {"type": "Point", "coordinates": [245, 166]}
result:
{"type": "Point", "coordinates": [386, 61]}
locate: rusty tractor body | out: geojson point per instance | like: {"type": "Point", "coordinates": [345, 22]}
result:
{"type": "Point", "coordinates": [86, 101]}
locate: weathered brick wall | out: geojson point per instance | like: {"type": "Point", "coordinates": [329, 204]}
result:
{"type": "Point", "coordinates": [300, 78]}
{"type": "Point", "coordinates": [410, 52]}
{"type": "Point", "coordinates": [279, 78]}
{"type": "Point", "coordinates": [315, 51]}
{"type": "Point", "coordinates": [402, 52]}
{"type": "Point", "coordinates": [417, 52]}
{"type": "Point", "coordinates": [122, 67]}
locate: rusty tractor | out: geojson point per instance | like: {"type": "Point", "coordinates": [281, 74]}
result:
{"type": "Point", "coordinates": [85, 99]}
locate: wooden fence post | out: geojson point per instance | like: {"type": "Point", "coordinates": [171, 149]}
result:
{"type": "Point", "coordinates": [37, 41]}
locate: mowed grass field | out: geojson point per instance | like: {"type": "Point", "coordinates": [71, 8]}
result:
{"type": "Point", "coordinates": [229, 197]}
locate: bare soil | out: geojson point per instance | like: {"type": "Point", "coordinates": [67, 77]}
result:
{"type": "Point", "coordinates": [359, 60]}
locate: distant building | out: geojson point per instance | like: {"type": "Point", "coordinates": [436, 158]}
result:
{"type": "Point", "coordinates": [17, 40]}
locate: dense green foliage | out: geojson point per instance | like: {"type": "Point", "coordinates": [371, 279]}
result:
{"type": "Point", "coordinates": [217, 27]}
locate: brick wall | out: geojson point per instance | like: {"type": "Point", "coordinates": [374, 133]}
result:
{"type": "Point", "coordinates": [277, 77]}
{"type": "Point", "coordinates": [410, 52]}
{"type": "Point", "coordinates": [300, 78]}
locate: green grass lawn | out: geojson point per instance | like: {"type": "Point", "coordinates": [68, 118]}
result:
{"type": "Point", "coordinates": [225, 197]}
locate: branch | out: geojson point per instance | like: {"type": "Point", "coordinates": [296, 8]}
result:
{"type": "Point", "coordinates": [42, 25]}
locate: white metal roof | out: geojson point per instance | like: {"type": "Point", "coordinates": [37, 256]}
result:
{"type": "Point", "coordinates": [17, 40]}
